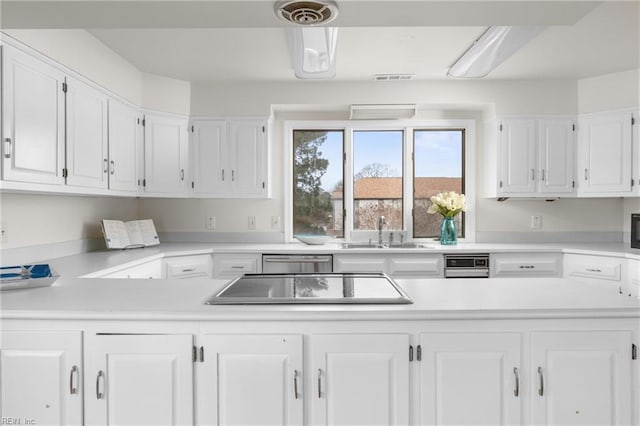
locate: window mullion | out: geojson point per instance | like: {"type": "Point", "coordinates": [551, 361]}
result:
{"type": "Point", "coordinates": [348, 182]}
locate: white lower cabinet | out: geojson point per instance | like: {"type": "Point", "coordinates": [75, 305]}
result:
{"type": "Point", "coordinates": [184, 267]}
{"type": "Point", "coordinates": [470, 379]}
{"type": "Point", "coordinates": [250, 380]}
{"type": "Point", "coordinates": [41, 377]}
{"type": "Point", "coordinates": [526, 265]}
{"type": "Point", "coordinates": [358, 379]}
{"type": "Point", "coordinates": [147, 270]}
{"type": "Point", "coordinates": [139, 379]}
{"type": "Point", "coordinates": [234, 264]}
{"type": "Point", "coordinates": [398, 266]}
{"type": "Point", "coordinates": [594, 268]}
{"type": "Point", "coordinates": [581, 378]}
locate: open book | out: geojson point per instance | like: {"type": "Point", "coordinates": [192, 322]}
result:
{"type": "Point", "coordinates": [135, 233]}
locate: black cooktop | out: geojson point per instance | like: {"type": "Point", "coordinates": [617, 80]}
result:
{"type": "Point", "coordinates": [325, 288]}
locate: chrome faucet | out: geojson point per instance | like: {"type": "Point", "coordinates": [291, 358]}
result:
{"type": "Point", "coordinates": [381, 222]}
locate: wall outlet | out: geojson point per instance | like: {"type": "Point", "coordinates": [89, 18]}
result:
{"type": "Point", "coordinates": [275, 222]}
{"type": "Point", "coordinates": [4, 237]}
{"type": "Point", "coordinates": [536, 222]}
{"type": "Point", "coordinates": [252, 222]}
{"type": "Point", "coordinates": [210, 222]}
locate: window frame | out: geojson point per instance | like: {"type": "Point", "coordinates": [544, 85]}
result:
{"type": "Point", "coordinates": [408, 127]}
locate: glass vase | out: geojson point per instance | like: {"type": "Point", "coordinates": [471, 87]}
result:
{"type": "Point", "coordinates": [448, 232]}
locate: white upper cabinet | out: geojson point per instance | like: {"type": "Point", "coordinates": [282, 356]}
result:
{"type": "Point", "coordinates": [536, 157]}
{"type": "Point", "coordinates": [248, 157]}
{"type": "Point", "coordinates": [635, 152]}
{"type": "Point", "coordinates": [208, 154]}
{"type": "Point", "coordinates": [32, 119]}
{"type": "Point", "coordinates": [125, 147]}
{"type": "Point", "coordinates": [604, 162]}
{"type": "Point", "coordinates": [87, 153]}
{"type": "Point", "coordinates": [165, 142]}
{"type": "Point", "coordinates": [229, 158]}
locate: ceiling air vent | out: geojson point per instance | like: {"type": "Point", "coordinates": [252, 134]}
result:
{"type": "Point", "coordinates": [393, 77]}
{"type": "Point", "coordinates": [307, 12]}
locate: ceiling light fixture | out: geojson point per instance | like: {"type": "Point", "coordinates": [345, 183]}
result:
{"type": "Point", "coordinates": [492, 48]}
{"type": "Point", "coordinates": [382, 111]}
{"type": "Point", "coordinates": [313, 51]}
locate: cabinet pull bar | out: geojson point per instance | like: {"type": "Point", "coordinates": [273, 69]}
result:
{"type": "Point", "coordinates": [541, 387]}
{"type": "Point", "coordinates": [319, 383]}
{"type": "Point", "coordinates": [188, 269]}
{"type": "Point", "coordinates": [99, 395]}
{"type": "Point", "coordinates": [7, 148]}
{"type": "Point", "coordinates": [542, 174]}
{"type": "Point", "coordinates": [201, 353]}
{"type": "Point", "coordinates": [593, 270]}
{"type": "Point", "coordinates": [113, 167]}
{"type": "Point", "coordinates": [295, 384]}
{"type": "Point", "coordinates": [533, 174]}
{"type": "Point", "coordinates": [516, 391]}
{"type": "Point", "coordinates": [106, 165]}
{"type": "Point", "coordinates": [223, 174]}
{"type": "Point", "coordinates": [586, 174]}
{"type": "Point", "coordinates": [181, 174]}
{"type": "Point", "coordinates": [74, 372]}
{"type": "Point", "coordinates": [233, 175]}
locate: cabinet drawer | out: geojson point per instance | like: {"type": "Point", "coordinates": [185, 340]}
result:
{"type": "Point", "coordinates": [188, 267]}
{"type": "Point", "coordinates": [416, 266]}
{"type": "Point", "coordinates": [359, 264]}
{"type": "Point", "coordinates": [525, 264]}
{"type": "Point", "coordinates": [633, 288]}
{"type": "Point", "coordinates": [229, 266]}
{"type": "Point", "coordinates": [601, 268]}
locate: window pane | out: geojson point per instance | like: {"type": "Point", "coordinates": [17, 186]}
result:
{"type": "Point", "coordinates": [437, 167]}
{"type": "Point", "coordinates": [317, 182]}
{"type": "Point", "coordinates": [377, 180]}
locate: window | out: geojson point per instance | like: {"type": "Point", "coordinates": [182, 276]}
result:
{"type": "Point", "coordinates": [317, 182]}
{"type": "Point", "coordinates": [377, 179]}
{"type": "Point", "coordinates": [346, 174]}
{"type": "Point", "coordinates": [438, 166]}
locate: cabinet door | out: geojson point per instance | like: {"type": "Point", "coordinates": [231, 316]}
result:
{"type": "Point", "coordinates": [233, 265]}
{"type": "Point", "coordinates": [359, 379]}
{"type": "Point", "coordinates": [635, 152]}
{"type": "Point", "coordinates": [125, 138]}
{"type": "Point", "coordinates": [605, 151]}
{"type": "Point", "coordinates": [470, 379]}
{"type": "Point", "coordinates": [32, 119]}
{"type": "Point", "coordinates": [86, 114]}
{"type": "Point", "coordinates": [357, 263]}
{"type": "Point", "coordinates": [555, 156]}
{"type": "Point", "coordinates": [165, 141]}
{"type": "Point", "coordinates": [211, 173]}
{"type": "Point", "coordinates": [41, 375]}
{"type": "Point", "coordinates": [139, 379]}
{"type": "Point", "coordinates": [250, 380]}
{"type": "Point", "coordinates": [518, 156]}
{"type": "Point", "coordinates": [581, 378]}
{"type": "Point", "coordinates": [248, 156]}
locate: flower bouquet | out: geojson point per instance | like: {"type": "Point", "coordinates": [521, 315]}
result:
{"type": "Point", "coordinates": [448, 204]}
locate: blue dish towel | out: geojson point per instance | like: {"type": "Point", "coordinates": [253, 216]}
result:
{"type": "Point", "coordinates": [25, 271]}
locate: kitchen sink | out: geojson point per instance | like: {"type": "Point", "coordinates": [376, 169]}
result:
{"type": "Point", "coordinates": [385, 246]}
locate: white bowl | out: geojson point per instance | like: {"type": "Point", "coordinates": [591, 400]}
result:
{"type": "Point", "coordinates": [313, 239]}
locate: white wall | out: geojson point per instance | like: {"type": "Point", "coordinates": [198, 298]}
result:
{"type": "Point", "coordinates": [42, 219]}
{"type": "Point", "coordinates": [608, 92]}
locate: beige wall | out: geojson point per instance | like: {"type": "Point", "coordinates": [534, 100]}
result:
{"type": "Point", "coordinates": [42, 219]}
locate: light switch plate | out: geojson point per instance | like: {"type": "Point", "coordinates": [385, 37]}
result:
{"type": "Point", "coordinates": [536, 222]}
{"type": "Point", "coordinates": [252, 222]}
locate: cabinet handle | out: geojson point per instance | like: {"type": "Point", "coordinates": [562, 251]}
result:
{"type": "Point", "coordinates": [223, 175]}
{"type": "Point", "coordinates": [201, 353]}
{"type": "Point", "coordinates": [188, 270]}
{"type": "Point", "coordinates": [233, 175]}
{"type": "Point", "coordinates": [541, 387]}
{"type": "Point", "coordinates": [7, 148]}
{"type": "Point", "coordinates": [74, 372]}
{"type": "Point", "coordinates": [99, 395]}
{"type": "Point", "coordinates": [113, 167]}
{"type": "Point", "coordinates": [516, 391]}
{"type": "Point", "coordinates": [533, 174]}
{"type": "Point", "coordinates": [527, 266]}
{"type": "Point", "coordinates": [319, 383]}
{"type": "Point", "coordinates": [106, 165]}
{"type": "Point", "coordinates": [542, 175]}
{"type": "Point", "coordinates": [181, 174]}
{"type": "Point", "coordinates": [586, 174]}
{"type": "Point", "coordinates": [594, 270]}
{"type": "Point", "coordinates": [237, 267]}
{"type": "Point", "coordinates": [295, 384]}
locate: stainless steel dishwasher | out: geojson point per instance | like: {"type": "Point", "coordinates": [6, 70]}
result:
{"type": "Point", "coordinates": [286, 263]}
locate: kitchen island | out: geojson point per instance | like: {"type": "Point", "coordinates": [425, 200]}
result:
{"type": "Point", "coordinates": [539, 350]}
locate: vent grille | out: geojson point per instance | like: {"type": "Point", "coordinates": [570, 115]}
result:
{"type": "Point", "coordinates": [307, 12]}
{"type": "Point", "coordinates": [393, 77]}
